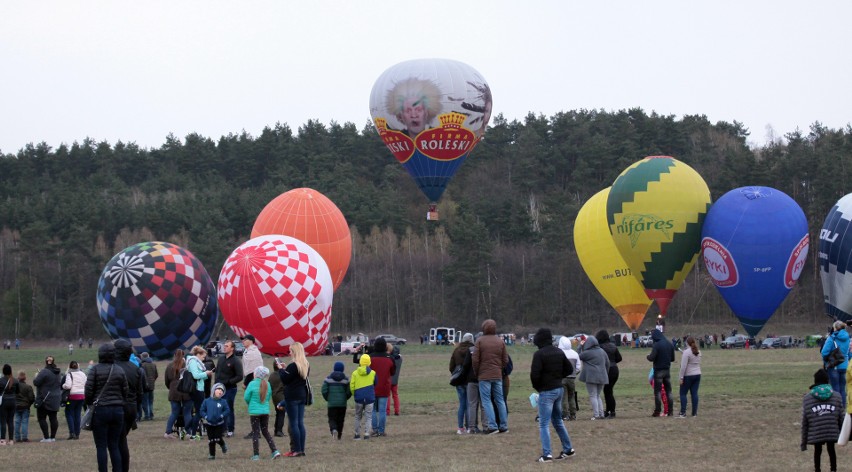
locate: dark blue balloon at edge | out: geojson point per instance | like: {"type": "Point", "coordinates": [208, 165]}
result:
{"type": "Point", "coordinates": [835, 260]}
{"type": "Point", "coordinates": [755, 245]}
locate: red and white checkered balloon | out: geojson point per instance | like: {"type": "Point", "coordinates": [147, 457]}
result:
{"type": "Point", "coordinates": [279, 290]}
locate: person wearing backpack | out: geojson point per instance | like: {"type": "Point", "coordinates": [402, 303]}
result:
{"type": "Point", "coordinates": [151, 376]}
{"type": "Point", "coordinates": [180, 402]}
{"type": "Point", "coordinates": [839, 338]}
{"type": "Point", "coordinates": [195, 367]}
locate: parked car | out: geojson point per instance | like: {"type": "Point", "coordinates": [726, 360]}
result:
{"type": "Point", "coordinates": [771, 343]}
{"type": "Point", "coordinates": [214, 348]}
{"type": "Point", "coordinates": [645, 341]}
{"type": "Point", "coordinates": [391, 339]}
{"type": "Point", "coordinates": [732, 342]}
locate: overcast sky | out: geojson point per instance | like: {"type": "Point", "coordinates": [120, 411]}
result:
{"type": "Point", "coordinates": [137, 71]}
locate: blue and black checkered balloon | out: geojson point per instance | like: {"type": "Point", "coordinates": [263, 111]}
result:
{"type": "Point", "coordinates": [159, 297]}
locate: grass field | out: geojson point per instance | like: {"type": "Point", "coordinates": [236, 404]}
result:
{"type": "Point", "coordinates": [749, 418]}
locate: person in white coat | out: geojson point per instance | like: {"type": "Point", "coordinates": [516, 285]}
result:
{"type": "Point", "coordinates": [569, 397]}
{"type": "Point", "coordinates": [75, 383]}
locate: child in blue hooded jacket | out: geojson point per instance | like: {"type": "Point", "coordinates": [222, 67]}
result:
{"type": "Point", "coordinates": [214, 411]}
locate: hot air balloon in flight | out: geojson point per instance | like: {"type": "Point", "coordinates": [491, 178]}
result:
{"type": "Point", "coordinates": [604, 264]}
{"type": "Point", "coordinates": [158, 296]}
{"type": "Point", "coordinates": [431, 113]}
{"type": "Point", "coordinates": [655, 210]}
{"type": "Point", "coordinates": [835, 260]}
{"type": "Point", "coordinates": [279, 290]}
{"type": "Point", "coordinates": [310, 217]}
{"type": "Point", "coordinates": [755, 244]}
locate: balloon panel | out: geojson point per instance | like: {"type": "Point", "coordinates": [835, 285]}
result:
{"type": "Point", "coordinates": [655, 211]}
{"type": "Point", "coordinates": [309, 216]}
{"type": "Point", "coordinates": [755, 244]}
{"type": "Point", "coordinates": [431, 113]}
{"type": "Point", "coordinates": [835, 260]}
{"type": "Point", "coordinates": [604, 265]}
{"type": "Point", "coordinates": [279, 290]}
{"type": "Point", "coordinates": [159, 297]}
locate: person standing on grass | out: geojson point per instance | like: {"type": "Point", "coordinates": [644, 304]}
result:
{"type": "Point", "coordinates": [690, 376]}
{"type": "Point", "coordinates": [614, 356]}
{"type": "Point", "coordinates": [180, 402]}
{"type": "Point", "coordinates": [838, 338]}
{"type": "Point", "coordinates": [229, 372]}
{"type": "Point", "coordinates": [294, 377]}
{"type": "Point", "coordinates": [277, 398]}
{"type": "Point", "coordinates": [569, 398]}
{"type": "Point", "coordinates": [75, 383]}
{"type": "Point", "coordinates": [214, 410]}
{"type": "Point", "coordinates": [662, 355]}
{"type": "Point", "coordinates": [595, 373]}
{"type": "Point", "coordinates": [252, 358]}
{"type": "Point", "coordinates": [393, 352]}
{"type": "Point", "coordinates": [457, 359]}
{"type": "Point", "coordinates": [106, 384]}
{"type": "Point", "coordinates": [23, 401]}
{"type": "Point", "coordinates": [363, 387]}
{"type": "Point", "coordinates": [336, 391]}
{"type": "Point", "coordinates": [384, 368]}
{"type": "Point", "coordinates": [549, 367]}
{"type": "Point", "coordinates": [195, 367]}
{"type": "Point", "coordinates": [489, 361]}
{"type": "Point", "coordinates": [257, 396]}
{"type": "Point", "coordinates": [135, 380]}
{"type": "Point", "coordinates": [151, 376]}
{"type": "Point", "coordinates": [8, 391]}
{"type": "Point", "coordinates": [822, 415]}
{"type": "Point", "coordinates": [48, 391]}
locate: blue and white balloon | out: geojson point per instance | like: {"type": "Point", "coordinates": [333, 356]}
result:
{"type": "Point", "coordinates": [835, 260]}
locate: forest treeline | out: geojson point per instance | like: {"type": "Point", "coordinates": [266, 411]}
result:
{"type": "Point", "coordinates": [503, 248]}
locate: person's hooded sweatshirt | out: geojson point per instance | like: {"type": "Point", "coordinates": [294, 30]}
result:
{"type": "Point", "coordinates": [595, 363]}
{"type": "Point", "coordinates": [549, 364]}
{"type": "Point", "coordinates": [363, 382]}
{"type": "Point", "coordinates": [135, 375]}
{"type": "Point", "coordinates": [384, 367]}
{"type": "Point", "coordinates": [840, 339]}
{"type": "Point", "coordinates": [822, 414]}
{"type": "Point", "coordinates": [571, 354]}
{"type": "Point", "coordinates": [662, 352]}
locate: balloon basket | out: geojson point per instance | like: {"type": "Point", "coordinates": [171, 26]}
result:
{"type": "Point", "coordinates": [432, 214]}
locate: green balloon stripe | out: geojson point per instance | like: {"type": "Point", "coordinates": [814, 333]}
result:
{"type": "Point", "coordinates": [675, 255]}
{"type": "Point", "coordinates": [637, 180]}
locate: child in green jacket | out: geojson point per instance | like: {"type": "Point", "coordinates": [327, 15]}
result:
{"type": "Point", "coordinates": [257, 396]}
{"type": "Point", "coordinates": [335, 390]}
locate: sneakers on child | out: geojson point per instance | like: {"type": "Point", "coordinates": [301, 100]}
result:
{"type": "Point", "coordinates": [682, 415]}
{"type": "Point", "coordinates": [461, 431]}
{"type": "Point", "coordinates": [547, 458]}
{"type": "Point", "coordinates": [357, 437]}
{"type": "Point", "coordinates": [276, 454]}
{"type": "Point", "coordinates": [255, 457]}
{"type": "Point", "coordinates": [212, 458]}
{"type": "Point", "coordinates": [333, 434]}
{"type": "Point", "coordinates": [224, 448]}
{"type": "Point", "coordinates": [565, 454]}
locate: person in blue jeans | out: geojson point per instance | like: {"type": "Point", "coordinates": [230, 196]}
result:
{"type": "Point", "coordinates": [488, 361]}
{"type": "Point", "coordinates": [294, 377]}
{"type": "Point", "coordinates": [23, 402]}
{"type": "Point", "coordinates": [839, 338]}
{"type": "Point", "coordinates": [549, 367]}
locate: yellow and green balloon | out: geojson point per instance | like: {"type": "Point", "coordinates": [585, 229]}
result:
{"type": "Point", "coordinates": [604, 265]}
{"type": "Point", "coordinates": [655, 211]}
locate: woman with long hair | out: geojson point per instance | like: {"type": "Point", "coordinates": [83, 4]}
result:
{"type": "Point", "coordinates": [75, 383]}
{"type": "Point", "coordinates": [8, 390]}
{"type": "Point", "coordinates": [195, 366]}
{"type": "Point", "coordinates": [690, 376]}
{"type": "Point", "coordinates": [179, 401]}
{"type": "Point", "coordinates": [295, 378]}
{"type": "Point", "coordinates": [257, 396]}
{"type": "Point", "coordinates": [106, 391]}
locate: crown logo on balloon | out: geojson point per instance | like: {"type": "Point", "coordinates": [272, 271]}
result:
{"type": "Point", "coordinates": [381, 124]}
{"type": "Point", "coordinates": [452, 119]}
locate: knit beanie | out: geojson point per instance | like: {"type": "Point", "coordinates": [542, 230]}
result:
{"type": "Point", "coordinates": [338, 366]}
{"type": "Point", "coordinates": [218, 386]}
{"type": "Point", "coordinates": [261, 372]}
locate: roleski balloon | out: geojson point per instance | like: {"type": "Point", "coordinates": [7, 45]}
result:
{"type": "Point", "coordinates": [430, 113]}
{"type": "Point", "coordinates": [159, 297]}
{"type": "Point", "coordinates": [604, 265]}
{"type": "Point", "coordinates": [835, 260]}
{"type": "Point", "coordinates": [279, 290]}
{"type": "Point", "coordinates": [309, 216]}
{"type": "Point", "coordinates": [655, 211]}
{"type": "Point", "coordinates": [755, 244]}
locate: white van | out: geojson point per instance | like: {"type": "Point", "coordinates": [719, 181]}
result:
{"type": "Point", "coordinates": [444, 336]}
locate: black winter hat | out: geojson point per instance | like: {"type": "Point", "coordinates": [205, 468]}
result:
{"type": "Point", "coordinates": [543, 337]}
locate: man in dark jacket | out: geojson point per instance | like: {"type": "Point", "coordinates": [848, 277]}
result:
{"type": "Point", "coordinates": [662, 355]}
{"type": "Point", "coordinates": [151, 376]}
{"type": "Point", "coordinates": [48, 391]}
{"type": "Point", "coordinates": [549, 367]}
{"type": "Point", "coordinates": [489, 361]}
{"type": "Point", "coordinates": [229, 372]}
{"type": "Point", "coordinates": [135, 382]}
